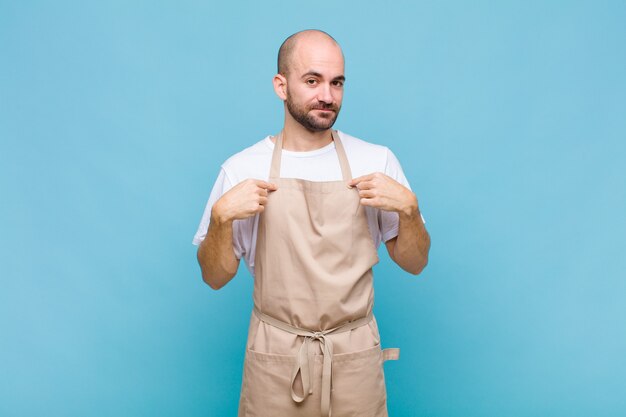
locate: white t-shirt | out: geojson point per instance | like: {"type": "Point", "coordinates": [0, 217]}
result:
{"type": "Point", "coordinates": [318, 165]}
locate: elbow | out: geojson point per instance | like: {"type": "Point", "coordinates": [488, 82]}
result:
{"type": "Point", "coordinates": [211, 281]}
{"type": "Point", "coordinates": [420, 263]}
{"type": "Point", "coordinates": [419, 266]}
{"type": "Point", "coordinates": [215, 287]}
{"type": "Point", "coordinates": [214, 276]}
{"type": "Point", "coordinates": [214, 281]}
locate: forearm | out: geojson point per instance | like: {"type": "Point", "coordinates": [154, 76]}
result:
{"type": "Point", "coordinates": [215, 254]}
{"type": "Point", "coordinates": [413, 242]}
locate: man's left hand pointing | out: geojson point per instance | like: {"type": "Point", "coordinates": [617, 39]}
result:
{"type": "Point", "coordinates": [381, 191]}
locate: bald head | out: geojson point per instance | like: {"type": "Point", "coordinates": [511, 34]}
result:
{"type": "Point", "coordinates": [289, 47]}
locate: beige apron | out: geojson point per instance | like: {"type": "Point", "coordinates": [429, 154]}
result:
{"type": "Point", "coordinates": [313, 344]}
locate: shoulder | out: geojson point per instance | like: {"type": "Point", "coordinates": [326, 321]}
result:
{"type": "Point", "coordinates": [251, 162]}
{"type": "Point", "coordinates": [366, 156]}
{"type": "Point", "coordinates": [360, 145]}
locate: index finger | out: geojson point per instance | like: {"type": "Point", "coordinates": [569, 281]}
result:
{"type": "Point", "coordinates": [266, 185]}
{"type": "Point", "coordinates": [357, 180]}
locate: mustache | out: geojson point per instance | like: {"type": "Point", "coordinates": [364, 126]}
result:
{"type": "Point", "coordinates": [325, 106]}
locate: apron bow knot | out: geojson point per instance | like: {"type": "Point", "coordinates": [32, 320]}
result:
{"type": "Point", "coordinates": [317, 335]}
{"type": "Point", "coordinates": [305, 358]}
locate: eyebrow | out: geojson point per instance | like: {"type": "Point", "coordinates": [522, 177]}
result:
{"type": "Point", "coordinates": [318, 75]}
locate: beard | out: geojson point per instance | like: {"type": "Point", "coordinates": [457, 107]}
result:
{"type": "Point", "coordinates": [304, 116]}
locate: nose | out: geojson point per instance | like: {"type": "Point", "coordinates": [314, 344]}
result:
{"type": "Point", "coordinates": [324, 93]}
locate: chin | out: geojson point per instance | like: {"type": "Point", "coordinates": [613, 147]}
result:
{"type": "Point", "coordinates": [325, 122]}
{"type": "Point", "coordinates": [321, 127]}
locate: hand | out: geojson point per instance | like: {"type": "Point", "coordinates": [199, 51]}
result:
{"type": "Point", "coordinates": [242, 201]}
{"type": "Point", "coordinates": [383, 192]}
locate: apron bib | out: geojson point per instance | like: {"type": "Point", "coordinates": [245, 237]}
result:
{"type": "Point", "coordinates": [313, 344]}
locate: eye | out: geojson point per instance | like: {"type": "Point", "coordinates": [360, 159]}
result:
{"type": "Point", "coordinates": [311, 81]}
{"type": "Point", "coordinates": [338, 83]}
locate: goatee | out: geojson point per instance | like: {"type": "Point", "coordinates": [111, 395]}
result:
{"type": "Point", "coordinates": [310, 121]}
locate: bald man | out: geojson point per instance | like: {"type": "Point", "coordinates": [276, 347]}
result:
{"type": "Point", "coordinates": [307, 209]}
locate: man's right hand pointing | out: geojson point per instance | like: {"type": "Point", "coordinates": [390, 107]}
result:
{"type": "Point", "coordinates": [243, 200]}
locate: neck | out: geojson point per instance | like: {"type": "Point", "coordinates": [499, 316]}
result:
{"type": "Point", "coordinates": [299, 139]}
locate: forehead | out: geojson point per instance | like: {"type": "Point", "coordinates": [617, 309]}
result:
{"type": "Point", "coordinates": [321, 55]}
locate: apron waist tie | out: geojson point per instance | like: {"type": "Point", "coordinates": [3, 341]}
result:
{"type": "Point", "coordinates": [304, 359]}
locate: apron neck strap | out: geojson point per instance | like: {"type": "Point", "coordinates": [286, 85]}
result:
{"type": "Point", "coordinates": [341, 154]}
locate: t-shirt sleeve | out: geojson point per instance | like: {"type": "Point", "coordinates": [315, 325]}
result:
{"type": "Point", "coordinates": [389, 220]}
{"type": "Point", "coordinates": [221, 186]}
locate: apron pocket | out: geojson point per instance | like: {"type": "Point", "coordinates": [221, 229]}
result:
{"type": "Point", "coordinates": [358, 387]}
{"type": "Point", "coordinates": [266, 390]}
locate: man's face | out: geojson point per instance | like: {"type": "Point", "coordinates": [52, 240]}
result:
{"type": "Point", "coordinates": [315, 84]}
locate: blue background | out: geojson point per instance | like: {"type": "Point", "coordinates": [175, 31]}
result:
{"type": "Point", "coordinates": [509, 119]}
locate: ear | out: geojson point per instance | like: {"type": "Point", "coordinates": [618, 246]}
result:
{"type": "Point", "coordinates": [280, 86]}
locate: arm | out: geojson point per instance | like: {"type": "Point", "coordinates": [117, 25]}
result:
{"type": "Point", "coordinates": [410, 248]}
{"type": "Point", "coordinates": [215, 254]}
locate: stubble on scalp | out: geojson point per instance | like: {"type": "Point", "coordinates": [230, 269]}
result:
{"type": "Point", "coordinates": [286, 50]}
